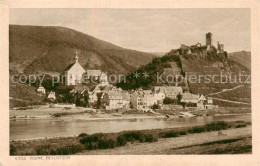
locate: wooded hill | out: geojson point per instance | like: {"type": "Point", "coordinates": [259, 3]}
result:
{"type": "Point", "coordinates": [47, 49]}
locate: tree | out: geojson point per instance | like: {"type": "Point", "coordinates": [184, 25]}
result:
{"type": "Point", "coordinates": [168, 100]}
{"type": "Point", "coordinates": [155, 106]}
{"type": "Point", "coordinates": [179, 97]}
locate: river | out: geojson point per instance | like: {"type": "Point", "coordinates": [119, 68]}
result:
{"type": "Point", "coordinates": [40, 128]}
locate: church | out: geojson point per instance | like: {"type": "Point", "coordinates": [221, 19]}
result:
{"type": "Point", "coordinates": [75, 74]}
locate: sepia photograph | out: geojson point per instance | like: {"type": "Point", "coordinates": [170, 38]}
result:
{"type": "Point", "coordinates": [86, 81]}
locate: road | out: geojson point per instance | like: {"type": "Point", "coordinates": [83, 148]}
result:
{"type": "Point", "coordinates": [224, 90]}
{"type": "Point", "coordinates": [230, 101]}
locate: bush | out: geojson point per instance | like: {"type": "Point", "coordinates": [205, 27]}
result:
{"type": "Point", "coordinates": [54, 150]}
{"type": "Point", "coordinates": [183, 132]}
{"type": "Point", "coordinates": [134, 136]}
{"type": "Point", "coordinates": [216, 126]}
{"type": "Point", "coordinates": [240, 125]}
{"type": "Point", "coordinates": [92, 138]}
{"type": "Point", "coordinates": [96, 141]}
{"type": "Point", "coordinates": [150, 138]}
{"type": "Point", "coordinates": [121, 141]}
{"type": "Point", "coordinates": [43, 150]}
{"type": "Point", "coordinates": [197, 130]}
{"type": "Point", "coordinates": [83, 135]}
{"type": "Point", "coordinates": [169, 134]}
{"type": "Point", "coordinates": [67, 150]}
{"type": "Point", "coordinates": [106, 144]}
{"type": "Point", "coordinates": [168, 100]}
{"type": "Point", "coordinates": [12, 149]}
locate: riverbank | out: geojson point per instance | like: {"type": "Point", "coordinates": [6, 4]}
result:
{"type": "Point", "coordinates": [93, 114]}
{"type": "Point", "coordinates": [129, 139]}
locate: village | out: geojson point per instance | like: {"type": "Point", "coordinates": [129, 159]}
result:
{"type": "Point", "coordinates": [104, 95]}
{"type": "Point", "coordinates": [107, 96]}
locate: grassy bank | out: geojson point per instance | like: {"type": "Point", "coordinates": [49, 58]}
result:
{"type": "Point", "coordinates": [72, 145]}
{"type": "Point", "coordinates": [228, 146]}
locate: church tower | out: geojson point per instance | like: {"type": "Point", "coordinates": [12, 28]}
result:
{"type": "Point", "coordinates": [76, 58]}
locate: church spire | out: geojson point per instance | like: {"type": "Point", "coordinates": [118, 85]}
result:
{"type": "Point", "coordinates": [76, 58]}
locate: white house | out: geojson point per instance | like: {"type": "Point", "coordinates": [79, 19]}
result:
{"type": "Point", "coordinates": [190, 98]}
{"type": "Point", "coordinates": [72, 75]}
{"type": "Point", "coordinates": [169, 91]}
{"type": "Point", "coordinates": [114, 100]}
{"type": "Point", "coordinates": [41, 89]}
{"type": "Point", "coordinates": [142, 100]}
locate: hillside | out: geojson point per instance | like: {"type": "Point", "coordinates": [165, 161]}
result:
{"type": "Point", "coordinates": [197, 63]}
{"type": "Point", "coordinates": [241, 57]}
{"type": "Point", "coordinates": [45, 49]}
{"type": "Point", "coordinates": [22, 95]}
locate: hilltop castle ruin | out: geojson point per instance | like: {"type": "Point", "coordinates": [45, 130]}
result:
{"type": "Point", "coordinates": [184, 49]}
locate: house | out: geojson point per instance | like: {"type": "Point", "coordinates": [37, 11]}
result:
{"type": "Point", "coordinates": [209, 101]}
{"type": "Point", "coordinates": [201, 101]}
{"type": "Point", "coordinates": [78, 88]}
{"type": "Point", "coordinates": [92, 97]}
{"type": "Point", "coordinates": [72, 75]}
{"type": "Point", "coordinates": [51, 96]}
{"type": "Point", "coordinates": [169, 91]}
{"type": "Point", "coordinates": [148, 100]}
{"type": "Point", "coordinates": [190, 98]}
{"type": "Point", "coordinates": [159, 97]}
{"type": "Point", "coordinates": [141, 100]}
{"type": "Point", "coordinates": [41, 89]}
{"type": "Point", "coordinates": [103, 79]}
{"type": "Point", "coordinates": [115, 100]}
{"type": "Point", "coordinates": [95, 76]}
{"type": "Point", "coordinates": [126, 99]}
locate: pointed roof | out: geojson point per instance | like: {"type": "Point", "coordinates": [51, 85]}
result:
{"type": "Point", "coordinates": [189, 96]}
{"type": "Point", "coordinates": [69, 67]}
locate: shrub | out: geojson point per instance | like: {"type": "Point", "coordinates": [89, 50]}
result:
{"type": "Point", "coordinates": [197, 130]}
{"type": "Point", "coordinates": [106, 144]}
{"type": "Point", "coordinates": [134, 136]}
{"type": "Point", "coordinates": [169, 134]}
{"type": "Point", "coordinates": [121, 141]}
{"type": "Point", "coordinates": [92, 138]}
{"type": "Point", "coordinates": [150, 138]}
{"type": "Point", "coordinates": [83, 135]}
{"type": "Point", "coordinates": [183, 132]}
{"type": "Point", "coordinates": [241, 125]}
{"type": "Point", "coordinates": [215, 126]}
{"type": "Point", "coordinates": [12, 149]}
{"type": "Point", "coordinates": [66, 150]}
{"type": "Point", "coordinates": [43, 150]}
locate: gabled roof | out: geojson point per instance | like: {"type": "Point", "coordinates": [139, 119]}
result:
{"type": "Point", "coordinates": [202, 97]}
{"type": "Point", "coordinates": [68, 67]}
{"type": "Point", "coordinates": [110, 94]}
{"type": "Point", "coordinates": [93, 72]}
{"type": "Point", "coordinates": [168, 89]}
{"type": "Point", "coordinates": [189, 96]}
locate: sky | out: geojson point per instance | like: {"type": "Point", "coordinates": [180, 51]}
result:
{"type": "Point", "coordinates": [148, 30]}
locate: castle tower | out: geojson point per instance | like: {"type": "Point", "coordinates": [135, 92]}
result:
{"type": "Point", "coordinates": [76, 58]}
{"type": "Point", "coordinates": [209, 39]}
{"type": "Point", "coordinates": [219, 48]}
